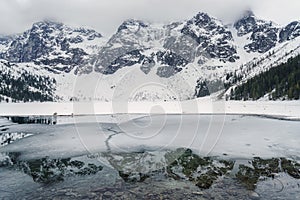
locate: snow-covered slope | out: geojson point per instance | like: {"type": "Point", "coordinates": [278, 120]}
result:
{"type": "Point", "coordinates": [143, 61]}
{"type": "Point", "coordinates": [25, 83]}
{"type": "Point", "coordinates": [276, 56]}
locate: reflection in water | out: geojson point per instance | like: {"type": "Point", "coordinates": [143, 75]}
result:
{"type": "Point", "coordinates": [175, 174]}
{"type": "Point", "coordinates": [47, 170]}
{"type": "Point", "coordinates": [266, 168]}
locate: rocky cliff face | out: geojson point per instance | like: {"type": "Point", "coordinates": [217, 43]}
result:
{"type": "Point", "coordinates": [290, 32]}
{"type": "Point", "coordinates": [171, 46]}
{"type": "Point", "coordinates": [51, 44]}
{"type": "Point", "coordinates": [214, 39]}
{"type": "Point", "coordinates": [263, 35]}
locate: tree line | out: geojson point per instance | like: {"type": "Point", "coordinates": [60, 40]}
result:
{"type": "Point", "coordinates": [26, 87]}
{"type": "Point", "coordinates": [281, 82]}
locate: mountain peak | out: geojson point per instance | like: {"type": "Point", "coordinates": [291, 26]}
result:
{"type": "Point", "coordinates": [132, 24]}
{"type": "Point", "coordinates": [48, 23]}
{"type": "Point", "coordinates": [201, 15]}
{"type": "Point", "coordinates": [202, 18]}
{"type": "Point", "coordinates": [248, 13]}
{"type": "Point", "coordinates": [246, 23]}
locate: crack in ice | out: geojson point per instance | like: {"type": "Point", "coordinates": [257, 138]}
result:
{"type": "Point", "coordinates": [107, 141]}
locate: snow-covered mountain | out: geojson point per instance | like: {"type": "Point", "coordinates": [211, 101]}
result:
{"type": "Point", "coordinates": [262, 35]}
{"type": "Point", "coordinates": [146, 61]}
{"type": "Point", "coordinates": [53, 45]}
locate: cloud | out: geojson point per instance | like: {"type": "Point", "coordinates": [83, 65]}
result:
{"type": "Point", "coordinates": [106, 15]}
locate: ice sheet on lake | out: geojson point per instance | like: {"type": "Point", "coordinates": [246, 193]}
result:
{"type": "Point", "coordinates": [211, 135]}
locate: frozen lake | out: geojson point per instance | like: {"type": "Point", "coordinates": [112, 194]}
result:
{"type": "Point", "coordinates": [197, 156]}
{"type": "Point", "coordinates": [208, 135]}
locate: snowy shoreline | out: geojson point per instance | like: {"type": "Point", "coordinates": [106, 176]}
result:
{"type": "Point", "coordinates": [277, 109]}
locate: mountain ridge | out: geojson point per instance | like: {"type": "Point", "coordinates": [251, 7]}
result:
{"type": "Point", "coordinates": [178, 55]}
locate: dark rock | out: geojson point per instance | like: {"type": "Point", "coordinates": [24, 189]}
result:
{"type": "Point", "coordinates": [291, 167]}
{"type": "Point", "coordinates": [263, 39]}
{"type": "Point", "coordinates": [171, 63]}
{"type": "Point", "coordinates": [201, 28]}
{"type": "Point", "coordinates": [133, 176]}
{"type": "Point", "coordinates": [201, 89]}
{"type": "Point", "coordinates": [263, 34]}
{"type": "Point", "coordinates": [246, 24]}
{"type": "Point", "coordinates": [47, 170]}
{"type": "Point", "coordinates": [147, 64]}
{"type": "Point", "coordinates": [201, 171]}
{"type": "Point", "coordinates": [266, 168]}
{"type": "Point", "coordinates": [290, 32]}
{"type": "Point", "coordinates": [126, 60]}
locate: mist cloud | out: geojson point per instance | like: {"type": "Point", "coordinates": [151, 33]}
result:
{"type": "Point", "coordinates": [106, 15]}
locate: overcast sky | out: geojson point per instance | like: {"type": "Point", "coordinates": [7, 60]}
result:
{"type": "Point", "coordinates": [106, 15]}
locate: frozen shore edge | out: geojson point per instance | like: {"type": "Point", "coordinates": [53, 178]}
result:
{"type": "Point", "coordinates": [275, 109]}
